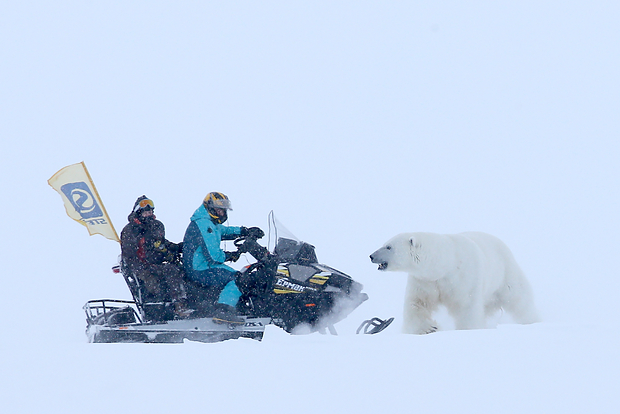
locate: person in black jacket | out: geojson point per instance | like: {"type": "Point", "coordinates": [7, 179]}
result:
{"type": "Point", "coordinates": [152, 258]}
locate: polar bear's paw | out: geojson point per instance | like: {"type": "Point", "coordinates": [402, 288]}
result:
{"type": "Point", "coordinates": [427, 330]}
{"type": "Point", "coordinates": [420, 329]}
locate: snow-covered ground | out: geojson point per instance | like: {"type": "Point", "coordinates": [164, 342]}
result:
{"type": "Point", "coordinates": [353, 121]}
{"type": "Point", "coordinates": [514, 369]}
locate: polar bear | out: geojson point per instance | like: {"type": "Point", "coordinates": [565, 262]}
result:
{"type": "Point", "coordinates": [472, 274]}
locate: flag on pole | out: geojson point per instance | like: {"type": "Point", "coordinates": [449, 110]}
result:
{"type": "Point", "coordinates": [82, 201]}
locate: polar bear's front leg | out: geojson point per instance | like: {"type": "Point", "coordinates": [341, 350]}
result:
{"type": "Point", "coordinates": [470, 316]}
{"type": "Point", "coordinates": [419, 306]}
{"type": "Point", "coordinates": [418, 320]}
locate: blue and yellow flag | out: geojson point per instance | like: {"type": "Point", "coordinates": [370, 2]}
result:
{"type": "Point", "coordinates": [82, 201]}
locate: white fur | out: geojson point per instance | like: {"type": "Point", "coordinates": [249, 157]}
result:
{"type": "Point", "coordinates": [472, 274]}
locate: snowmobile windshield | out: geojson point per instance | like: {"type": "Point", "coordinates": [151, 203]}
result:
{"type": "Point", "coordinates": [278, 231]}
{"type": "Point", "coordinates": [287, 246]}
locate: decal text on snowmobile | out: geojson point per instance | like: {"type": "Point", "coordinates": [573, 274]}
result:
{"type": "Point", "coordinates": [293, 286]}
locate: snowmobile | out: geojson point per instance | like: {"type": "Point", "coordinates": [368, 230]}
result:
{"type": "Point", "coordinates": [286, 287]}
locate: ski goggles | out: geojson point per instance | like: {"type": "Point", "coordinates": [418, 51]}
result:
{"type": "Point", "coordinates": [144, 204]}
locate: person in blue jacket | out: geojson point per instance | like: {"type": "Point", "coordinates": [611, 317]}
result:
{"type": "Point", "coordinates": [203, 258]}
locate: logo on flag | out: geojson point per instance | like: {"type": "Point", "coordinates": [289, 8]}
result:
{"type": "Point", "coordinates": [82, 201]}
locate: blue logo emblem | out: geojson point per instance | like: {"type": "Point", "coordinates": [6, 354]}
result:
{"type": "Point", "coordinates": [82, 199]}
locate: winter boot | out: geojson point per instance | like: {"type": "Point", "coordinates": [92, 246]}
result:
{"type": "Point", "coordinates": [181, 311]}
{"type": "Point", "coordinates": [226, 314]}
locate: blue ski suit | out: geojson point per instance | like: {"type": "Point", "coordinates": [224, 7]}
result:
{"type": "Point", "coordinates": [203, 258]}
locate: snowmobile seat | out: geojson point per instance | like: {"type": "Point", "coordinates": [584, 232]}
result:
{"type": "Point", "coordinates": [133, 283]}
{"type": "Point", "coordinates": [151, 307]}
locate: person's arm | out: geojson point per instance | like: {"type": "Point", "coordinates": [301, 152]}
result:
{"type": "Point", "coordinates": [129, 245]}
{"type": "Point", "coordinates": [230, 232]}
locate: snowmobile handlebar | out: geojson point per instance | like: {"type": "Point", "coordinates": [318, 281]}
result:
{"type": "Point", "coordinates": [248, 244]}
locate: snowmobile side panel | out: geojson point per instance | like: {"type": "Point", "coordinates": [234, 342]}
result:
{"type": "Point", "coordinates": [200, 330]}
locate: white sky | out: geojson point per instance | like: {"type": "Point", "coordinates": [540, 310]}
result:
{"type": "Point", "coordinates": [354, 121]}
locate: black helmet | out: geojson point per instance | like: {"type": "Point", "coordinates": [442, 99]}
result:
{"type": "Point", "coordinates": [142, 204]}
{"type": "Point", "coordinates": [220, 202]}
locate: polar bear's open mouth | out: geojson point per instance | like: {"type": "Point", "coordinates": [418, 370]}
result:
{"type": "Point", "coordinates": [383, 265]}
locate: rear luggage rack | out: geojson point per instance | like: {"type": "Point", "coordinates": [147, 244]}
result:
{"type": "Point", "coordinates": [111, 312]}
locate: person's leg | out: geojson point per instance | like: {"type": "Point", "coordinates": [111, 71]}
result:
{"type": "Point", "coordinates": [230, 294]}
{"type": "Point", "coordinates": [224, 280]}
{"type": "Point", "coordinates": [151, 283]}
{"type": "Point", "coordinates": [225, 307]}
{"type": "Point", "coordinates": [174, 281]}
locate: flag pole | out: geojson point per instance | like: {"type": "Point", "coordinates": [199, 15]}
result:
{"type": "Point", "coordinates": [99, 198]}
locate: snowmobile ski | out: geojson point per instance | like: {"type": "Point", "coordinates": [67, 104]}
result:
{"type": "Point", "coordinates": [374, 325]}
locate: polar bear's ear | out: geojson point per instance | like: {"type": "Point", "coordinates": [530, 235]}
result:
{"type": "Point", "coordinates": [413, 244]}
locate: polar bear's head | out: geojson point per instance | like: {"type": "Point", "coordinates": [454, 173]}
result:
{"type": "Point", "coordinates": [401, 253]}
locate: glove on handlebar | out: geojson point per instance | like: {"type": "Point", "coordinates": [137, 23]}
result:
{"type": "Point", "coordinates": [232, 256]}
{"type": "Point", "coordinates": [252, 232]}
